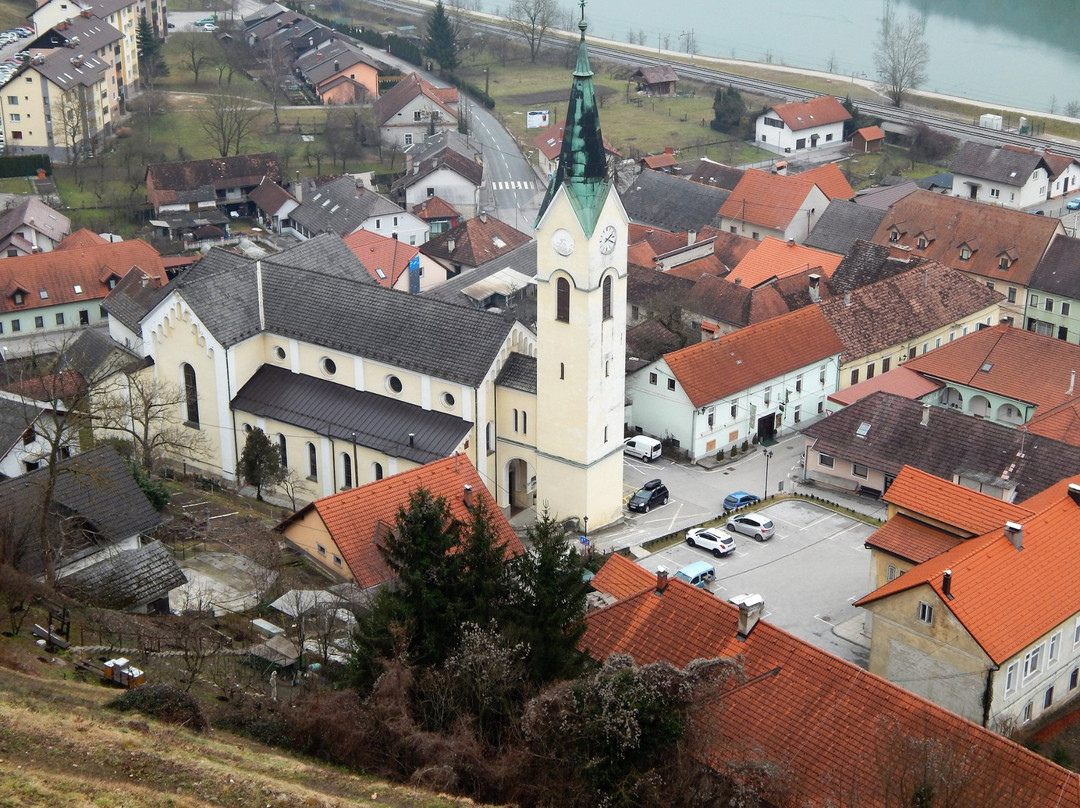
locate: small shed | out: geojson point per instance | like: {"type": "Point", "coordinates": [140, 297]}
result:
{"type": "Point", "coordinates": [868, 139]}
{"type": "Point", "coordinates": [658, 80]}
{"type": "Point", "coordinates": [276, 653]}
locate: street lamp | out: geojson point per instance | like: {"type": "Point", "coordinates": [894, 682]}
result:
{"type": "Point", "coordinates": [768, 454]}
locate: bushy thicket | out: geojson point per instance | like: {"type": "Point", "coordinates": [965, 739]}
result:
{"type": "Point", "coordinates": [163, 702]}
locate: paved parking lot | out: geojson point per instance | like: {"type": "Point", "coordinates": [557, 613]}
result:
{"type": "Point", "coordinates": [809, 573]}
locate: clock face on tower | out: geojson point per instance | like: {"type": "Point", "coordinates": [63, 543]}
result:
{"type": "Point", "coordinates": [607, 240]}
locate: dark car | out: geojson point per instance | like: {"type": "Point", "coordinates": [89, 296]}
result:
{"type": "Point", "coordinates": [651, 495]}
{"type": "Point", "coordinates": [738, 499]}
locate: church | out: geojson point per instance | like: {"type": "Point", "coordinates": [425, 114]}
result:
{"type": "Point", "coordinates": [354, 382]}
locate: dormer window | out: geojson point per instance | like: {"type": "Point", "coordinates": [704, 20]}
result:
{"type": "Point", "coordinates": [965, 253]}
{"type": "Point", "coordinates": [894, 236]}
{"type": "Point", "coordinates": [19, 298]}
{"type": "Point", "coordinates": [1004, 262]}
{"type": "Point", "coordinates": [922, 243]}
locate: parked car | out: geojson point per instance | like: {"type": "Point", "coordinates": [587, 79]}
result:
{"type": "Point", "coordinates": [716, 541]}
{"type": "Point", "coordinates": [697, 574]}
{"type": "Point", "coordinates": [751, 524]}
{"type": "Point", "coordinates": [1073, 204]}
{"type": "Point", "coordinates": [738, 499]}
{"type": "Point", "coordinates": [205, 21]}
{"type": "Point", "coordinates": [652, 495]}
{"type": "Point", "coordinates": [209, 27]}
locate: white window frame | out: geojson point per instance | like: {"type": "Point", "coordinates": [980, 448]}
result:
{"type": "Point", "coordinates": [1055, 648]}
{"type": "Point", "coordinates": [1033, 661]}
{"type": "Point", "coordinates": [926, 613]}
{"type": "Point", "coordinates": [1011, 678]}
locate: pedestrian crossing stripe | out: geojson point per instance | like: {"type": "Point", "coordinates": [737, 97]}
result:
{"type": "Point", "coordinates": [511, 185]}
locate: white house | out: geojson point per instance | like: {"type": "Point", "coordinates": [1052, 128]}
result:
{"type": "Point", "coordinates": [761, 380]}
{"type": "Point", "coordinates": [801, 125]}
{"type": "Point", "coordinates": [27, 428]}
{"type": "Point", "coordinates": [447, 166]}
{"type": "Point", "coordinates": [414, 109]}
{"type": "Point", "coordinates": [1000, 175]}
{"type": "Point", "coordinates": [343, 206]}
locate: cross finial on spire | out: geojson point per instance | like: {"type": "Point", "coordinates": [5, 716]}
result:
{"type": "Point", "coordinates": [582, 4]}
{"type": "Point", "coordinates": [582, 25]}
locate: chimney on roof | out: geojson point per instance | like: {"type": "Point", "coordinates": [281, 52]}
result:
{"type": "Point", "coordinates": [451, 243]}
{"type": "Point", "coordinates": [668, 150]}
{"type": "Point", "coordinates": [791, 242]}
{"type": "Point", "coordinates": [815, 287]}
{"type": "Point", "coordinates": [737, 281]}
{"type": "Point", "coordinates": [898, 252]}
{"type": "Point", "coordinates": [337, 65]}
{"type": "Point", "coordinates": [925, 415]}
{"type": "Point", "coordinates": [750, 611]}
{"type": "Point", "coordinates": [412, 438]}
{"type": "Point", "coordinates": [661, 580]}
{"type": "Point", "coordinates": [1014, 532]}
{"type": "Point", "coordinates": [469, 497]}
{"type": "Point", "coordinates": [847, 298]}
{"type": "Point", "coordinates": [1074, 493]}
{"type": "Point", "coordinates": [691, 237]}
{"type": "Point", "coordinates": [946, 584]}
{"type": "Point", "coordinates": [1072, 384]}
{"type": "Point", "coordinates": [483, 217]}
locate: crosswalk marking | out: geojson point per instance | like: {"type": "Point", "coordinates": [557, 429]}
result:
{"type": "Point", "coordinates": [511, 185]}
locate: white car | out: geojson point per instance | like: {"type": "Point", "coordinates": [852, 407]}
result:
{"type": "Point", "coordinates": [716, 541]}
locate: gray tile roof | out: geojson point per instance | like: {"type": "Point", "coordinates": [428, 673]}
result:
{"type": "Point", "coordinates": [339, 206]}
{"type": "Point", "coordinates": [950, 443]}
{"type": "Point", "coordinates": [95, 354]}
{"type": "Point", "coordinates": [519, 373]}
{"type": "Point", "coordinates": [345, 311]}
{"type": "Point", "coordinates": [522, 259]}
{"type": "Point", "coordinates": [883, 195]}
{"type": "Point", "coordinates": [131, 298]}
{"type": "Point", "coordinates": [1001, 164]}
{"type": "Point", "coordinates": [15, 417]}
{"type": "Point", "coordinates": [127, 580]}
{"type": "Point", "coordinates": [379, 422]}
{"type": "Point", "coordinates": [866, 263]}
{"type": "Point", "coordinates": [671, 203]}
{"type": "Point", "coordinates": [841, 224]}
{"type": "Point", "coordinates": [1058, 273]}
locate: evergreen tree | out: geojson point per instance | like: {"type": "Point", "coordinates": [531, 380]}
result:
{"type": "Point", "coordinates": [482, 576]}
{"type": "Point", "coordinates": [728, 110]}
{"type": "Point", "coordinates": [260, 461]}
{"type": "Point", "coordinates": [441, 43]}
{"type": "Point", "coordinates": [548, 602]}
{"type": "Point", "coordinates": [152, 64]}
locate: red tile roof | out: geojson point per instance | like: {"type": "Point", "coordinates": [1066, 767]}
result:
{"type": "Point", "coordinates": [900, 381]}
{"type": "Point", "coordinates": [989, 576]}
{"type": "Point", "coordinates": [709, 371]}
{"type": "Point", "coordinates": [413, 85]}
{"type": "Point", "coordinates": [81, 238]}
{"type": "Point", "coordinates": [972, 512]}
{"type": "Point", "coordinates": [769, 200]}
{"type": "Point", "coordinates": [435, 207]}
{"type": "Point", "coordinates": [1060, 423]}
{"type": "Point", "coordinates": [620, 577]}
{"type": "Point", "coordinates": [912, 540]}
{"type": "Point", "coordinates": [831, 180]}
{"type": "Point", "coordinates": [385, 259]}
{"type": "Point", "coordinates": [774, 258]}
{"type": "Point", "coordinates": [829, 726]}
{"type": "Point", "coordinates": [355, 517]}
{"type": "Point", "coordinates": [1008, 354]}
{"type": "Point", "coordinates": [73, 274]}
{"type": "Point", "coordinates": [991, 232]}
{"type": "Point", "coordinates": [476, 241]}
{"type": "Point", "coordinates": [813, 112]}
{"type": "Point", "coordinates": [655, 161]}
{"type": "Point", "coordinates": [871, 133]}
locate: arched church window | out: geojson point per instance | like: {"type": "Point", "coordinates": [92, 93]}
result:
{"type": "Point", "coordinates": [562, 300]}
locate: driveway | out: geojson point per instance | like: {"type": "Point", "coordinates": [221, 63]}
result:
{"type": "Point", "coordinates": [809, 573]}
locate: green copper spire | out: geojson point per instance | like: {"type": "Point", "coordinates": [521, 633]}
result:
{"type": "Point", "coordinates": [582, 164]}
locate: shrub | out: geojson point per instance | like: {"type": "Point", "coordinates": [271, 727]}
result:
{"type": "Point", "coordinates": [163, 702]}
{"type": "Point", "coordinates": [734, 451]}
{"type": "Point", "coordinates": [746, 446]}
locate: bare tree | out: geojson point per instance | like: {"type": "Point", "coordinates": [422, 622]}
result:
{"type": "Point", "coordinates": [276, 60]}
{"type": "Point", "coordinates": [901, 55]}
{"type": "Point", "coordinates": [69, 117]}
{"type": "Point", "coordinates": [228, 121]}
{"type": "Point", "coordinates": [132, 403]}
{"type": "Point", "coordinates": [531, 20]}
{"type": "Point", "coordinates": [293, 486]}
{"type": "Point", "coordinates": [194, 55]}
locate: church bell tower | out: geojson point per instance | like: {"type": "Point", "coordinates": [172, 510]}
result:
{"type": "Point", "coordinates": [581, 234]}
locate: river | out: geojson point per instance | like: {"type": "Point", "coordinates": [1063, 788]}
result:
{"type": "Point", "coordinates": [1023, 53]}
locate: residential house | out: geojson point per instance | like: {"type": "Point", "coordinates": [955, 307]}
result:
{"type": "Point", "coordinates": [506, 283]}
{"type": "Point", "coordinates": [392, 264]}
{"type": "Point", "coordinates": [1064, 174]}
{"type": "Point", "coordinates": [136, 580]}
{"type": "Point", "coordinates": [273, 204]}
{"type": "Point", "coordinates": [31, 226]}
{"type": "Point", "coordinates": [549, 145]}
{"type": "Point", "coordinates": [1053, 290]}
{"type": "Point", "coordinates": [886, 321]}
{"type": "Point", "coordinates": [64, 288]}
{"type": "Point", "coordinates": [126, 303]}
{"type": "Point", "coordinates": [947, 630]}
{"type": "Point", "coordinates": [472, 243]}
{"type": "Point", "coordinates": [23, 422]}
{"type": "Point", "coordinates": [801, 125]}
{"type": "Point", "coordinates": [865, 445]}
{"type": "Point", "coordinates": [760, 380]}
{"type": "Point", "coordinates": [774, 258]}
{"type": "Point", "coordinates": [996, 245]}
{"type": "Point", "coordinates": [988, 374]}
{"type": "Point", "coordinates": [343, 534]}
{"type": "Point", "coordinates": [657, 80]}
{"type": "Point", "coordinates": [868, 140]}
{"type": "Point", "coordinates": [439, 214]}
{"type": "Point", "coordinates": [881, 197]}
{"type": "Point", "coordinates": [1000, 175]}
{"type": "Point", "coordinates": [206, 185]}
{"type": "Point", "coordinates": [720, 306]}
{"type": "Point", "coordinates": [765, 204]}
{"type": "Point", "coordinates": [665, 162]}
{"type": "Point", "coordinates": [447, 166]}
{"type": "Point", "coordinates": [413, 109]}
{"type": "Point", "coordinates": [830, 180]}
{"type": "Point", "coordinates": [98, 510]}
{"type": "Point", "coordinates": [342, 205]}
{"type": "Point", "coordinates": [842, 224]}
{"type": "Point", "coordinates": [709, 172]}
{"type": "Point", "coordinates": [833, 734]}
{"type": "Point", "coordinates": [663, 201]}
{"type": "Point", "coordinates": [340, 72]}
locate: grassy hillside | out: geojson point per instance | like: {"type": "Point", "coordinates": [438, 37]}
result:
{"type": "Point", "coordinates": [60, 747]}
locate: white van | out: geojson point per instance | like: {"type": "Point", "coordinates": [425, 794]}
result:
{"type": "Point", "coordinates": [643, 447]}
